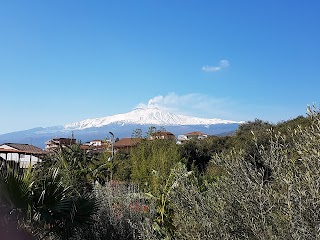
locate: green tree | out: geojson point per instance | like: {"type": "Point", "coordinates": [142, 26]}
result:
{"type": "Point", "coordinates": [151, 131]}
{"type": "Point", "coordinates": [137, 133]}
{"type": "Point", "coordinates": [151, 162]}
{"type": "Point", "coordinates": [197, 153]}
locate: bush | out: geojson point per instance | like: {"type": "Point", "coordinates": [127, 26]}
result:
{"type": "Point", "coordinates": [243, 204]}
{"type": "Point", "coordinates": [151, 163]}
{"type": "Point", "coordinates": [124, 213]}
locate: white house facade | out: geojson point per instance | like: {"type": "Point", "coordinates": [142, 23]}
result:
{"type": "Point", "coordinates": [24, 155]}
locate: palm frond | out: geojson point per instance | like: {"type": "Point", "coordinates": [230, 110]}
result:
{"type": "Point", "coordinates": [15, 189]}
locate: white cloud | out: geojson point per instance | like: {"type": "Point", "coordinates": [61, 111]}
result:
{"type": "Point", "coordinates": [222, 64]}
{"type": "Point", "coordinates": [193, 104]}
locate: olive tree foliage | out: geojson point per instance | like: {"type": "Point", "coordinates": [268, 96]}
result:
{"type": "Point", "coordinates": [284, 206]}
{"type": "Point", "coordinates": [298, 178]}
{"type": "Point", "coordinates": [243, 204]}
{"type": "Point", "coordinates": [195, 213]}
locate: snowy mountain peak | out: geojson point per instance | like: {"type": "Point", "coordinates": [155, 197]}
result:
{"type": "Point", "coordinates": [145, 116]}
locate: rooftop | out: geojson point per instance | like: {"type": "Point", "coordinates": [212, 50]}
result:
{"type": "Point", "coordinates": [127, 142]}
{"type": "Point", "coordinates": [25, 148]}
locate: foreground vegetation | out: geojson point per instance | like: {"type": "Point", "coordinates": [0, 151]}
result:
{"type": "Point", "coordinates": [261, 183]}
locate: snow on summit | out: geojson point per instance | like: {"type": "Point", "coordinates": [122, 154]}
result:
{"type": "Point", "coordinates": [145, 116]}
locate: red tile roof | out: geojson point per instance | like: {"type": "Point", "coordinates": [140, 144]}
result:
{"type": "Point", "coordinates": [84, 147]}
{"type": "Point", "coordinates": [126, 142]}
{"type": "Point", "coordinates": [3, 150]}
{"type": "Point", "coordinates": [162, 134]}
{"type": "Point", "coordinates": [195, 133]}
{"type": "Point", "coordinates": [25, 148]}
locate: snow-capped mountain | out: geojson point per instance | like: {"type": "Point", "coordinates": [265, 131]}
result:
{"type": "Point", "coordinates": [145, 116]}
{"type": "Point", "coordinates": [122, 125]}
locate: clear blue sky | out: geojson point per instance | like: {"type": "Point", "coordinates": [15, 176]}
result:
{"type": "Point", "coordinates": [65, 61]}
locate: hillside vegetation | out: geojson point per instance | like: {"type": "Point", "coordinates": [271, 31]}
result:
{"type": "Point", "coordinates": [261, 183]}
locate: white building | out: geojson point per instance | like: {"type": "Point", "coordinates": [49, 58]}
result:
{"type": "Point", "coordinates": [55, 143]}
{"type": "Point", "coordinates": [192, 135]}
{"type": "Point", "coordinates": [196, 135]}
{"type": "Point", "coordinates": [24, 155]}
{"type": "Point", "coordinates": [96, 143]}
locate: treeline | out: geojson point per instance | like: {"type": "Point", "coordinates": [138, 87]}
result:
{"type": "Point", "coordinates": [261, 183]}
{"type": "Point", "coordinates": [157, 157]}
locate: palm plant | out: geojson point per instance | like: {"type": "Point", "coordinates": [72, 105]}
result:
{"type": "Point", "coordinates": [79, 167]}
{"type": "Point", "coordinates": [45, 205]}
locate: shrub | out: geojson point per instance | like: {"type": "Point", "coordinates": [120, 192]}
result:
{"type": "Point", "coordinates": [241, 203]}
{"type": "Point", "coordinates": [124, 213]}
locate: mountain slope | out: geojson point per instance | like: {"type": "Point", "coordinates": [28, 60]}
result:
{"type": "Point", "coordinates": [146, 116]}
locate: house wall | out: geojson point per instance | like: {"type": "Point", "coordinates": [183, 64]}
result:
{"type": "Point", "coordinates": [182, 137]}
{"type": "Point", "coordinates": [96, 143]}
{"type": "Point", "coordinates": [24, 159]}
{"type": "Point", "coordinates": [10, 156]}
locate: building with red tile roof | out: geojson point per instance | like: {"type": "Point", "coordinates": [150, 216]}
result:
{"type": "Point", "coordinates": [162, 135]}
{"type": "Point", "coordinates": [55, 143]}
{"type": "Point", "coordinates": [24, 155]}
{"type": "Point", "coordinates": [126, 143]}
{"type": "Point", "coordinates": [198, 135]}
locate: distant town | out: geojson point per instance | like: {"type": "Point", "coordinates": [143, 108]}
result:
{"type": "Point", "coordinates": [26, 155]}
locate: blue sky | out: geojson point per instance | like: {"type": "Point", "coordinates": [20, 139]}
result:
{"type": "Point", "coordinates": [65, 61]}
